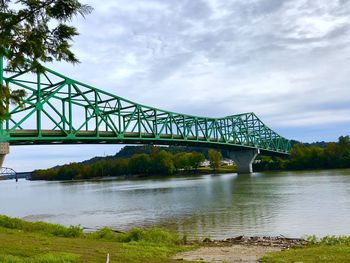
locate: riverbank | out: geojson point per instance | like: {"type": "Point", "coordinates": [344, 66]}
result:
{"type": "Point", "coordinates": [39, 242]}
{"type": "Point", "coordinates": [271, 250]}
{"type": "Point", "coordinates": [200, 171]}
{"type": "Point", "coordinates": [31, 242]}
{"type": "Point", "coordinates": [263, 254]}
{"type": "Point", "coordinates": [240, 249]}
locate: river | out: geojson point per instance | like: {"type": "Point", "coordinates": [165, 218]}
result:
{"type": "Point", "coordinates": [293, 204]}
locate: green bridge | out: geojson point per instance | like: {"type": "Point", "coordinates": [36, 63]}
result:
{"type": "Point", "coordinates": [60, 110]}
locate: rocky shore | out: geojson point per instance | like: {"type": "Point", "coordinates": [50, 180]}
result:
{"type": "Point", "coordinates": [281, 242]}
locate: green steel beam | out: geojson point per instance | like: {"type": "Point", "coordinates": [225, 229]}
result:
{"type": "Point", "coordinates": [60, 110]}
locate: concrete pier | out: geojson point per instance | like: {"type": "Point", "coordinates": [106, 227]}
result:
{"type": "Point", "coordinates": [4, 149]}
{"type": "Point", "coordinates": [244, 160]}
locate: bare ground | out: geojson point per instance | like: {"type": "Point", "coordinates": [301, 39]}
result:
{"type": "Point", "coordinates": [227, 254]}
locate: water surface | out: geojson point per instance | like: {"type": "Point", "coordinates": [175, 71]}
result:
{"type": "Point", "coordinates": [288, 203]}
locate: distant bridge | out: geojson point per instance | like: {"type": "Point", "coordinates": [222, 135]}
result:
{"type": "Point", "coordinates": [7, 173]}
{"type": "Point", "coordinates": [60, 110]}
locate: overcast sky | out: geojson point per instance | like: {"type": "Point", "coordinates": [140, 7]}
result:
{"type": "Point", "coordinates": [287, 61]}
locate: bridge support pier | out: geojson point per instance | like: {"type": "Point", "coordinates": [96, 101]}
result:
{"type": "Point", "coordinates": [4, 149]}
{"type": "Point", "coordinates": [244, 160]}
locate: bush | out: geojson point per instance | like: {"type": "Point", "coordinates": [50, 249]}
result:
{"type": "Point", "coordinates": [52, 229]}
{"type": "Point", "coordinates": [104, 233]}
{"type": "Point", "coordinates": [154, 235]}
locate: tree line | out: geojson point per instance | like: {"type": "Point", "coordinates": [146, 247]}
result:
{"type": "Point", "coordinates": [310, 156]}
{"type": "Point", "coordinates": [158, 162]}
{"type": "Point", "coordinates": [161, 161]}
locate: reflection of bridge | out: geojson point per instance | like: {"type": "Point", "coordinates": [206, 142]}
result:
{"type": "Point", "coordinates": [59, 110]}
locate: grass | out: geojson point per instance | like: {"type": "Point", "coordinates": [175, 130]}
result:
{"type": "Point", "coordinates": [46, 258]}
{"type": "Point", "coordinates": [329, 240]}
{"type": "Point", "coordinates": [330, 249]}
{"type": "Point", "coordinates": [52, 229]}
{"type": "Point", "coordinates": [39, 242]}
{"type": "Point", "coordinates": [27, 242]}
{"type": "Point", "coordinates": [312, 254]}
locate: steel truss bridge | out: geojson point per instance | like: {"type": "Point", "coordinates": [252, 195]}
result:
{"type": "Point", "coordinates": [7, 173]}
{"type": "Point", "coordinates": [60, 110]}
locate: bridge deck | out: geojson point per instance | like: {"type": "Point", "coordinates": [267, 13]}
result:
{"type": "Point", "coordinates": [32, 137]}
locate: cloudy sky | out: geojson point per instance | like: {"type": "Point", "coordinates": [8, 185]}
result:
{"type": "Point", "coordinates": [285, 60]}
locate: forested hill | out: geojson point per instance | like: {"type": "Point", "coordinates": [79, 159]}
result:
{"type": "Point", "coordinates": [129, 151]}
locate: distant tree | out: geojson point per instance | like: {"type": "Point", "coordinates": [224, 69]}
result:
{"type": "Point", "coordinates": [344, 142]}
{"type": "Point", "coordinates": [331, 155]}
{"type": "Point", "coordinates": [119, 167]}
{"type": "Point", "coordinates": [37, 30]}
{"type": "Point", "coordinates": [263, 163]}
{"type": "Point", "coordinates": [85, 171]}
{"type": "Point", "coordinates": [67, 172]}
{"type": "Point", "coordinates": [195, 159]}
{"type": "Point", "coordinates": [162, 163]}
{"type": "Point", "coordinates": [343, 151]}
{"type": "Point", "coordinates": [181, 161]}
{"type": "Point", "coordinates": [48, 174]}
{"type": "Point", "coordinates": [139, 164]}
{"type": "Point", "coordinates": [214, 159]}
{"type": "Point", "coordinates": [298, 156]}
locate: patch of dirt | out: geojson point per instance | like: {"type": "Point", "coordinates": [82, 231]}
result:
{"type": "Point", "coordinates": [239, 249]}
{"type": "Point", "coordinates": [227, 254]}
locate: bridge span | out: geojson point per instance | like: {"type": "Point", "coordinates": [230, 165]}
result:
{"type": "Point", "coordinates": [60, 110]}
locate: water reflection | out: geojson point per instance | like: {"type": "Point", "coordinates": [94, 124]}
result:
{"type": "Point", "coordinates": [292, 204]}
{"type": "Point", "coordinates": [233, 205]}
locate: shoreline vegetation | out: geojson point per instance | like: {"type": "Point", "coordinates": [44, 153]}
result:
{"type": "Point", "coordinates": [149, 161]}
{"type": "Point", "coordinates": [315, 156]}
{"type": "Point", "coordinates": [30, 242]}
{"type": "Point", "coordinates": [158, 162]}
{"type": "Point", "coordinates": [38, 242]}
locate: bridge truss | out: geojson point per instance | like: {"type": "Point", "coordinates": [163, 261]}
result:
{"type": "Point", "coordinates": [60, 110]}
{"type": "Point", "coordinates": [7, 172]}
